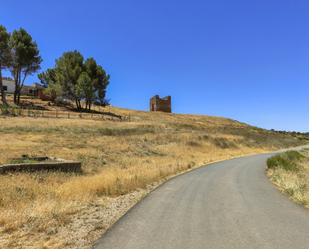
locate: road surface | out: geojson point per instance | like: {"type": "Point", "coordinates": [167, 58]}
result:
{"type": "Point", "coordinates": [229, 204]}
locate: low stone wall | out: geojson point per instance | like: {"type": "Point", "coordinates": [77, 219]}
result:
{"type": "Point", "coordinates": [63, 166]}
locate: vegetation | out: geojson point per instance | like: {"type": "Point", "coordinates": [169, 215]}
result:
{"type": "Point", "coordinates": [72, 78]}
{"type": "Point", "coordinates": [20, 54]}
{"type": "Point", "coordinates": [119, 158]}
{"type": "Point", "coordinates": [4, 58]}
{"type": "Point", "coordinates": [21, 160]}
{"type": "Point", "coordinates": [290, 172]}
{"type": "Point", "coordinates": [49, 81]}
{"type": "Point", "coordinates": [299, 135]}
{"type": "Point", "coordinates": [25, 59]}
{"type": "Point", "coordinates": [76, 79]}
{"type": "Point", "coordinates": [287, 161]}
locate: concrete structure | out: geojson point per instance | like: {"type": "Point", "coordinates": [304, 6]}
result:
{"type": "Point", "coordinates": [158, 104]}
{"type": "Point", "coordinates": [42, 164]}
{"type": "Point", "coordinates": [8, 85]}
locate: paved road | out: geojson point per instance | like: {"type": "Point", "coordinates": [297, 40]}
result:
{"type": "Point", "coordinates": [230, 204]}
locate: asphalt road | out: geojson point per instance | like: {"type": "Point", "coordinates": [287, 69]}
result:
{"type": "Point", "coordinates": [230, 204]}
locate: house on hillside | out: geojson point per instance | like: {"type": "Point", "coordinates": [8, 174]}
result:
{"type": "Point", "coordinates": [158, 104]}
{"type": "Point", "coordinates": [35, 90]}
{"type": "Point", "coordinates": [8, 85]}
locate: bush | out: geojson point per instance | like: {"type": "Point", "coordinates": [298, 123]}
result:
{"type": "Point", "coordinates": [223, 143]}
{"type": "Point", "coordinates": [287, 161]}
{"type": "Point", "coordinates": [4, 110]}
{"type": "Point", "coordinates": [10, 110]}
{"type": "Point", "coordinates": [60, 101]}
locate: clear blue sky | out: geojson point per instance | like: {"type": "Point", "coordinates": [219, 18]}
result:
{"type": "Point", "coordinates": [247, 60]}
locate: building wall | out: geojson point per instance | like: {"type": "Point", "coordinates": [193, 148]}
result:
{"type": "Point", "coordinates": [10, 85]}
{"type": "Point", "coordinates": [33, 90]}
{"type": "Point", "coordinates": [160, 104]}
{"type": "Point", "coordinates": [25, 90]}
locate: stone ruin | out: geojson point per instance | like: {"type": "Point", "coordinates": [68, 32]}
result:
{"type": "Point", "coordinates": [158, 104]}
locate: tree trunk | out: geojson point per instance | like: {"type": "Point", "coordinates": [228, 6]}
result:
{"type": "Point", "coordinates": [15, 97]}
{"type": "Point", "coordinates": [21, 85]}
{"type": "Point", "coordinates": [78, 105]}
{"type": "Point", "coordinates": [3, 98]}
{"type": "Point", "coordinates": [88, 105]}
{"type": "Point", "coordinates": [18, 97]}
{"type": "Point", "coordinates": [17, 94]}
{"type": "Point", "coordinates": [76, 102]}
{"type": "Point", "coordinates": [17, 83]}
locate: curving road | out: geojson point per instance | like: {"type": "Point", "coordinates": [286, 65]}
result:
{"type": "Point", "coordinates": [230, 204]}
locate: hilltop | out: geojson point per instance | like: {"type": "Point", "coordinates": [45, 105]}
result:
{"type": "Point", "coordinates": [121, 161]}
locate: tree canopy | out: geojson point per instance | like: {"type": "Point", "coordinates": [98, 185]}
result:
{"type": "Point", "coordinates": [73, 77]}
{"type": "Point", "coordinates": [25, 59]}
{"type": "Point", "coordinates": [76, 79]}
{"type": "Point", "coordinates": [5, 57]}
{"type": "Point", "coordinates": [49, 81]}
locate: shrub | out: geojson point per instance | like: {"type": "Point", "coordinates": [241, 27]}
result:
{"type": "Point", "coordinates": [287, 161]}
{"type": "Point", "coordinates": [193, 144]}
{"type": "Point", "coordinates": [10, 110]}
{"type": "Point", "coordinates": [4, 109]}
{"type": "Point", "coordinates": [223, 143]}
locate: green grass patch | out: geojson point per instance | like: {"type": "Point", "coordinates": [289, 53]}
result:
{"type": "Point", "coordinates": [288, 161]}
{"type": "Point", "coordinates": [19, 161]}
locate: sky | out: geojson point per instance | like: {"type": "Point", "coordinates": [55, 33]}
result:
{"type": "Point", "coordinates": [245, 60]}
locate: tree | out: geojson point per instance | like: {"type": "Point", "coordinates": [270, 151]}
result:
{"type": "Point", "coordinates": [68, 70]}
{"type": "Point", "coordinates": [85, 89]}
{"type": "Point", "coordinates": [26, 59]}
{"type": "Point", "coordinates": [102, 85]}
{"type": "Point", "coordinates": [77, 79]}
{"type": "Point", "coordinates": [5, 58]}
{"type": "Point", "coordinates": [99, 81]}
{"type": "Point", "coordinates": [49, 81]}
{"type": "Point", "coordinates": [49, 77]}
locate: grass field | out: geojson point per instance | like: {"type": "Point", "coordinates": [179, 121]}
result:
{"type": "Point", "coordinates": [290, 172]}
{"type": "Point", "coordinates": [119, 158]}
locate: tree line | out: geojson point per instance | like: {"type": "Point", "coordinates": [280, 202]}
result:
{"type": "Point", "coordinates": [72, 78]}
{"type": "Point", "coordinates": [20, 55]}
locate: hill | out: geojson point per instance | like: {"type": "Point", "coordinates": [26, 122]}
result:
{"type": "Point", "coordinates": [122, 161]}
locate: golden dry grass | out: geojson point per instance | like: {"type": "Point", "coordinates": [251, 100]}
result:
{"type": "Point", "coordinates": [294, 183]}
{"type": "Point", "coordinates": [118, 158]}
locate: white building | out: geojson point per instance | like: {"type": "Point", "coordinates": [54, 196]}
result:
{"type": "Point", "coordinates": [8, 85]}
{"type": "Point", "coordinates": [35, 90]}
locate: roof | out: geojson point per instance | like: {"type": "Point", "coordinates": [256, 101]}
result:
{"type": "Point", "coordinates": [8, 81]}
{"type": "Point", "coordinates": [38, 86]}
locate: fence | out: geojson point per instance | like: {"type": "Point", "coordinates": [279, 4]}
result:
{"type": "Point", "coordinates": [62, 114]}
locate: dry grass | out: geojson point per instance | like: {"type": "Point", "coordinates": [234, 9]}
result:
{"type": "Point", "coordinates": [295, 183]}
{"type": "Point", "coordinates": [118, 158]}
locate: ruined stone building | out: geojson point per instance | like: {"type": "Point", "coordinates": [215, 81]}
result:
{"type": "Point", "coordinates": [158, 104]}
